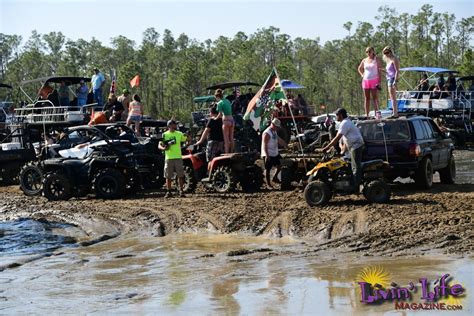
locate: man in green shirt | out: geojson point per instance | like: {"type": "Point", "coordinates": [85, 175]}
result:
{"type": "Point", "coordinates": [171, 144]}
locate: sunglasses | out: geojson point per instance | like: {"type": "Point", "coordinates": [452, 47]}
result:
{"type": "Point", "coordinates": [386, 52]}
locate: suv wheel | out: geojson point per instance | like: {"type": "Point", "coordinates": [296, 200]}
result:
{"type": "Point", "coordinates": [424, 174]}
{"type": "Point", "coordinates": [56, 186]}
{"type": "Point", "coordinates": [109, 183]}
{"type": "Point", "coordinates": [447, 175]}
{"type": "Point", "coordinates": [31, 178]}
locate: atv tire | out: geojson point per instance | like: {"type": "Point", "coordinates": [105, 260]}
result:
{"type": "Point", "coordinates": [447, 175]}
{"type": "Point", "coordinates": [56, 186]}
{"type": "Point", "coordinates": [424, 174]}
{"type": "Point", "coordinates": [109, 183]}
{"type": "Point", "coordinates": [31, 179]}
{"type": "Point", "coordinates": [377, 191]}
{"type": "Point", "coordinates": [190, 181]}
{"type": "Point", "coordinates": [252, 180]}
{"type": "Point", "coordinates": [223, 180]}
{"type": "Point", "coordinates": [317, 193]}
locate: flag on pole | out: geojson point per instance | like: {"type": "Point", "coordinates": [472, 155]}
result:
{"type": "Point", "coordinates": [112, 86]}
{"type": "Point", "coordinates": [135, 82]}
{"type": "Point", "coordinates": [262, 105]}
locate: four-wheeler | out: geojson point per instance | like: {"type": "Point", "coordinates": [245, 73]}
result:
{"type": "Point", "coordinates": [333, 175]}
{"type": "Point", "coordinates": [413, 145]}
{"type": "Point", "coordinates": [83, 151]}
{"type": "Point", "coordinates": [223, 173]}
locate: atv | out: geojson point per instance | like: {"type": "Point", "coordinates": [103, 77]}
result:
{"type": "Point", "coordinates": [333, 175]}
{"type": "Point", "coordinates": [223, 173]}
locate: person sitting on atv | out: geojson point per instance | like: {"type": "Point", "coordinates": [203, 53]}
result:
{"type": "Point", "coordinates": [214, 136]}
{"type": "Point", "coordinates": [171, 144]}
{"type": "Point", "coordinates": [354, 142]}
{"type": "Point", "coordinates": [269, 152]}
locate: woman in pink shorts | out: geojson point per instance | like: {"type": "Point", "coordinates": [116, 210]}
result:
{"type": "Point", "coordinates": [369, 70]}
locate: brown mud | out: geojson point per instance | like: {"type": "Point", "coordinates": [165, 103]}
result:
{"type": "Point", "coordinates": [414, 222]}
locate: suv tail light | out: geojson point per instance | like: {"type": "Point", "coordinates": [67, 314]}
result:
{"type": "Point", "coordinates": [415, 150]}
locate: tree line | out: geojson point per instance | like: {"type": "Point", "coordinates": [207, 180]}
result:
{"type": "Point", "coordinates": [173, 70]}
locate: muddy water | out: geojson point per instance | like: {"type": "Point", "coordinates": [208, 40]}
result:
{"type": "Point", "coordinates": [213, 274]}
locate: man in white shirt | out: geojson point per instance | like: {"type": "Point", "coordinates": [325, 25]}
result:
{"type": "Point", "coordinates": [269, 151]}
{"type": "Point", "coordinates": [353, 140]}
{"type": "Point", "coordinates": [98, 81]}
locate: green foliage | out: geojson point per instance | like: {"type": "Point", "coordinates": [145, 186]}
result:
{"type": "Point", "coordinates": [173, 70]}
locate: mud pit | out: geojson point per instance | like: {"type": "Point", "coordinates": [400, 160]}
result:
{"type": "Point", "coordinates": [415, 222]}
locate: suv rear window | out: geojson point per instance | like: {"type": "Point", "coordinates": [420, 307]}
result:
{"type": "Point", "coordinates": [394, 130]}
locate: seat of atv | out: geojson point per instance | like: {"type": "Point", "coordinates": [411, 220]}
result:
{"type": "Point", "coordinates": [370, 163]}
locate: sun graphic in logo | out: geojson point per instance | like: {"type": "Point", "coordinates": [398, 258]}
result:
{"type": "Point", "coordinates": [374, 275]}
{"type": "Point", "coordinates": [453, 300]}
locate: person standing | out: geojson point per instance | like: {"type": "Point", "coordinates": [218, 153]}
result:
{"type": "Point", "coordinates": [369, 70]}
{"type": "Point", "coordinates": [125, 100]}
{"type": "Point", "coordinates": [135, 113]}
{"type": "Point", "coordinates": [63, 93]}
{"type": "Point", "coordinates": [224, 107]}
{"type": "Point", "coordinates": [353, 141]}
{"type": "Point", "coordinates": [214, 135]}
{"type": "Point", "coordinates": [269, 151]}
{"type": "Point", "coordinates": [98, 81]}
{"type": "Point", "coordinates": [81, 93]}
{"type": "Point", "coordinates": [392, 73]}
{"type": "Point", "coordinates": [171, 144]}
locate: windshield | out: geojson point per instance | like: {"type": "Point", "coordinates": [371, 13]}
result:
{"type": "Point", "coordinates": [394, 130]}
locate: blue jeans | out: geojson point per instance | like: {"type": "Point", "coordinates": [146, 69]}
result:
{"type": "Point", "coordinates": [98, 96]}
{"type": "Point", "coordinates": [81, 102]}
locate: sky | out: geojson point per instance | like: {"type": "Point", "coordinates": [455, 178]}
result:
{"type": "Point", "coordinates": [201, 20]}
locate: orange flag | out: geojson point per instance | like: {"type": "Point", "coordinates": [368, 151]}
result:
{"type": "Point", "coordinates": [135, 82]}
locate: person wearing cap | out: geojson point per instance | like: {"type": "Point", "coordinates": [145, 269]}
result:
{"type": "Point", "coordinates": [353, 141]}
{"type": "Point", "coordinates": [81, 93]}
{"type": "Point", "coordinates": [98, 81]}
{"type": "Point", "coordinates": [135, 113]}
{"type": "Point", "coordinates": [124, 98]}
{"type": "Point", "coordinates": [269, 151]}
{"type": "Point", "coordinates": [171, 144]}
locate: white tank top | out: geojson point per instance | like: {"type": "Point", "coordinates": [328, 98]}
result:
{"type": "Point", "coordinates": [272, 148]}
{"type": "Point", "coordinates": [370, 69]}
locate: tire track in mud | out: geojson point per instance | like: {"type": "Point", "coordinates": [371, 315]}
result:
{"type": "Point", "coordinates": [280, 226]}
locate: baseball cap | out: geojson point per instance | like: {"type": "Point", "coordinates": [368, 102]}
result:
{"type": "Point", "coordinates": [276, 122]}
{"type": "Point", "coordinates": [170, 122]}
{"type": "Point", "coordinates": [125, 91]}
